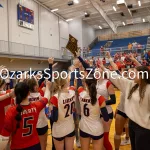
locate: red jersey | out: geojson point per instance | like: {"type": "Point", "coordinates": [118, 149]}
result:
{"type": "Point", "coordinates": [41, 92]}
{"type": "Point", "coordinates": [26, 136]}
{"type": "Point", "coordinates": [3, 108]}
{"type": "Point", "coordinates": [104, 62]}
{"type": "Point", "coordinates": [40, 89]}
{"type": "Point", "coordinates": [42, 85]}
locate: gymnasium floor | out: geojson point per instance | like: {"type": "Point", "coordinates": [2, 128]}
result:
{"type": "Point", "coordinates": [111, 132]}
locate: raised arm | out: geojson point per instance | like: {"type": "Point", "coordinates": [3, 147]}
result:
{"type": "Point", "coordinates": [50, 61]}
{"type": "Point", "coordinates": [7, 96]}
{"type": "Point", "coordinates": [120, 82]}
{"type": "Point", "coordinates": [84, 64]}
{"type": "Point", "coordinates": [134, 60]}
{"type": "Point", "coordinates": [114, 66]}
{"type": "Point", "coordinates": [47, 90]}
{"type": "Point", "coordinates": [112, 95]}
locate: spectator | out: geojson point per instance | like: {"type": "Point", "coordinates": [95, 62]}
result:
{"type": "Point", "coordinates": [134, 44]}
{"type": "Point", "coordinates": [139, 46]}
{"type": "Point", "coordinates": [148, 57]}
{"type": "Point", "coordinates": [104, 61]}
{"type": "Point", "coordinates": [144, 62]}
{"type": "Point", "coordinates": [128, 62]}
{"type": "Point", "coordinates": [94, 63]}
{"type": "Point", "coordinates": [102, 50]}
{"type": "Point", "coordinates": [122, 58]}
{"type": "Point", "coordinates": [130, 46]}
{"type": "Point", "coordinates": [107, 61]}
{"type": "Point", "coordinates": [139, 58]}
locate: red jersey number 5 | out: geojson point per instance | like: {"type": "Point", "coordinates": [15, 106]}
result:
{"type": "Point", "coordinates": [28, 126]}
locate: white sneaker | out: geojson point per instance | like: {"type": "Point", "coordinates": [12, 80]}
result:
{"type": "Point", "coordinates": [125, 142]}
{"type": "Point", "coordinates": [78, 144]}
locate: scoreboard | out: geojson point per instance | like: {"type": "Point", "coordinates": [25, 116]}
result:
{"type": "Point", "coordinates": [25, 17]}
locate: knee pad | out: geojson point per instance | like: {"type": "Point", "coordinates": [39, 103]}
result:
{"type": "Point", "coordinates": [117, 137]}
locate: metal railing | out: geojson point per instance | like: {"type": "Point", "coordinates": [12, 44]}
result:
{"type": "Point", "coordinates": [125, 48]}
{"type": "Point", "coordinates": [113, 51]}
{"type": "Point", "coordinates": [12, 48]}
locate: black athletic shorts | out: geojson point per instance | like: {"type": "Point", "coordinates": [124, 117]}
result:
{"type": "Point", "coordinates": [62, 138]}
{"type": "Point", "coordinates": [42, 131]}
{"type": "Point", "coordinates": [122, 114]}
{"type": "Point", "coordinates": [35, 147]}
{"type": "Point", "coordinates": [86, 135]}
{"type": "Point", "coordinates": [111, 115]}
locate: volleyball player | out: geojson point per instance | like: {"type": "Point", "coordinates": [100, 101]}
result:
{"type": "Point", "coordinates": [5, 102]}
{"type": "Point", "coordinates": [121, 119]}
{"type": "Point", "coordinates": [77, 112]}
{"type": "Point", "coordinates": [106, 89]}
{"type": "Point", "coordinates": [137, 97]}
{"type": "Point", "coordinates": [36, 94]}
{"type": "Point", "coordinates": [20, 120]}
{"type": "Point", "coordinates": [54, 89]}
{"type": "Point", "coordinates": [63, 130]}
{"type": "Point", "coordinates": [91, 126]}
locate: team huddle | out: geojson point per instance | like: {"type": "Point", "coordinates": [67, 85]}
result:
{"type": "Point", "coordinates": [79, 109]}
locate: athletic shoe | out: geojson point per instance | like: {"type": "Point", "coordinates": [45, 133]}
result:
{"type": "Point", "coordinates": [125, 142]}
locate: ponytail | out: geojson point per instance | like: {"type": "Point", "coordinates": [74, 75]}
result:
{"type": "Point", "coordinates": [91, 84]}
{"type": "Point", "coordinates": [21, 93]}
{"type": "Point", "coordinates": [59, 84]}
{"type": "Point", "coordinates": [134, 88]}
{"type": "Point", "coordinates": [93, 93]}
{"type": "Point", "coordinates": [19, 110]}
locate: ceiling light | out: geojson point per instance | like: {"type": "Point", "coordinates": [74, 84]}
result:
{"type": "Point", "coordinates": [123, 23]}
{"type": "Point", "coordinates": [54, 10]}
{"type": "Point", "coordinates": [76, 1]}
{"type": "Point", "coordinates": [143, 20]}
{"type": "Point", "coordinates": [100, 27]}
{"type": "Point", "coordinates": [139, 2]}
{"type": "Point", "coordinates": [69, 20]}
{"type": "Point", "coordinates": [85, 13]}
{"type": "Point", "coordinates": [114, 8]}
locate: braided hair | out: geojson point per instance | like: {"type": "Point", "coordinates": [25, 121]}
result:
{"type": "Point", "coordinates": [21, 92]}
{"type": "Point", "coordinates": [91, 84]}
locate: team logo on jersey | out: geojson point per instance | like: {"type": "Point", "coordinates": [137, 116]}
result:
{"type": "Point", "coordinates": [32, 99]}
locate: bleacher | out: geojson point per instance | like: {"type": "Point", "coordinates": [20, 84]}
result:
{"type": "Point", "coordinates": [118, 43]}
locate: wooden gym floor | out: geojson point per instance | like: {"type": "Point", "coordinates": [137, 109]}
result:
{"type": "Point", "coordinates": [111, 136]}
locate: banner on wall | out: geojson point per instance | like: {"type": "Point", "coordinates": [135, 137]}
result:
{"type": "Point", "coordinates": [72, 45]}
{"type": "Point", "coordinates": [25, 17]}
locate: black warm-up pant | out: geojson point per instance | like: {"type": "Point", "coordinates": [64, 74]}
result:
{"type": "Point", "coordinates": [139, 136]}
